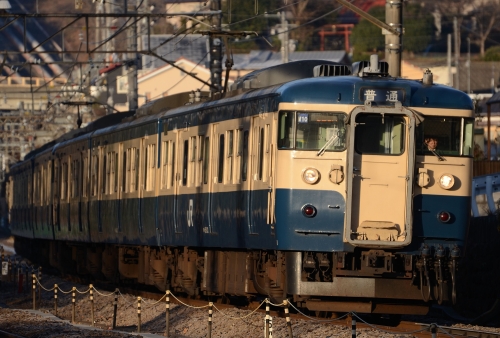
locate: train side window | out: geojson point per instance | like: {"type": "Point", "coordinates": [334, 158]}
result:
{"type": "Point", "coordinates": [199, 161]}
{"type": "Point", "coordinates": [244, 160]}
{"type": "Point", "coordinates": [64, 181]}
{"type": "Point", "coordinates": [48, 190]}
{"type": "Point", "coordinates": [220, 169]}
{"type": "Point", "coordinates": [131, 170]}
{"type": "Point", "coordinates": [192, 160]}
{"type": "Point", "coordinates": [71, 179]}
{"type": "Point", "coordinates": [230, 157]}
{"type": "Point", "coordinates": [104, 173]}
{"type": "Point", "coordinates": [74, 178]}
{"type": "Point", "coordinates": [137, 161]}
{"type": "Point", "coordinates": [85, 171]}
{"type": "Point", "coordinates": [185, 163]}
{"type": "Point", "coordinates": [237, 155]}
{"type": "Point", "coordinates": [95, 174]}
{"type": "Point", "coordinates": [126, 170]}
{"type": "Point", "coordinates": [206, 158]}
{"type": "Point", "coordinates": [267, 152]}
{"type": "Point", "coordinates": [146, 167]}
{"type": "Point", "coordinates": [260, 154]}
{"type": "Point", "coordinates": [107, 162]}
{"type": "Point", "coordinates": [150, 164]}
{"type": "Point", "coordinates": [77, 178]}
{"type": "Point", "coordinates": [172, 168]}
{"type": "Point", "coordinates": [115, 172]}
{"type": "Point", "coordinates": [164, 170]}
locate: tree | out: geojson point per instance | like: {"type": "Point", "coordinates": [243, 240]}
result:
{"type": "Point", "coordinates": [492, 54]}
{"type": "Point", "coordinates": [366, 37]}
{"type": "Point", "coordinates": [417, 24]}
{"type": "Point", "coordinates": [486, 14]}
{"type": "Point", "coordinates": [306, 11]}
{"type": "Point", "coordinates": [451, 9]}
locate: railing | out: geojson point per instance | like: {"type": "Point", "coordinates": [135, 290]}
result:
{"type": "Point", "coordinates": [485, 185]}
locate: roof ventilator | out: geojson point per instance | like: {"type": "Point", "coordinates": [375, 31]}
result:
{"type": "Point", "coordinates": [374, 67]}
{"type": "Point", "coordinates": [331, 70]}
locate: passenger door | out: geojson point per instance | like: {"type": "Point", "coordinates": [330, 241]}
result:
{"type": "Point", "coordinates": [261, 193]}
{"type": "Point", "coordinates": [381, 159]}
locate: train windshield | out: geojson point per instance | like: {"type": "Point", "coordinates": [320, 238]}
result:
{"type": "Point", "coordinates": [447, 136]}
{"type": "Point", "coordinates": [303, 130]}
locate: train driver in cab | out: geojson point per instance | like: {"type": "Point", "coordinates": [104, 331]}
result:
{"type": "Point", "coordinates": [431, 142]}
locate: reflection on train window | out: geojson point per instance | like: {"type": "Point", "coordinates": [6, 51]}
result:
{"type": "Point", "coordinates": [379, 134]}
{"type": "Point", "coordinates": [454, 135]}
{"type": "Point", "coordinates": [311, 130]}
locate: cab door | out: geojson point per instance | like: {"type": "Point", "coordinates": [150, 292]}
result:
{"type": "Point", "coordinates": [381, 160]}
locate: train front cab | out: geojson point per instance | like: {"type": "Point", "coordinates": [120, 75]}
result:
{"type": "Point", "coordinates": [353, 212]}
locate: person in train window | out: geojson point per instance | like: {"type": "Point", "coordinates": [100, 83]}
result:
{"type": "Point", "coordinates": [431, 142]}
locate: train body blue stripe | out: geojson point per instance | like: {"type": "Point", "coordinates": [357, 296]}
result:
{"type": "Point", "coordinates": [428, 229]}
{"type": "Point", "coordinates": [233, 226]}
{"type": "Point", "coordinates": [324, 232]}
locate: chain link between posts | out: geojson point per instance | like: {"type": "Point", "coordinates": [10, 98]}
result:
{"type": "Point", "coordinates": [283, 304]}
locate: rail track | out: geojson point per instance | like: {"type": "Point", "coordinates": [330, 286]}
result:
{"type": "Point", "coordinates": [401, 329]}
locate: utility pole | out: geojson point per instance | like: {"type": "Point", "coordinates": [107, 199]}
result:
{"type": "Point", "coordinates": [283, 35]}
{"type": "Point", "coordinates": [392, 29]}
{"type": "Point", "coordinates": [216, 48]}
{"type": "Point", "coordinates": [448, 60]}
{"type": "Point", "coordinates": [393, 42]}
{"type": "Point", "coordinates": [133, 61]}
{"type": "Point", "coordinates": [285, 48]}
{"type": "Point", "coordinates": [457, 52]}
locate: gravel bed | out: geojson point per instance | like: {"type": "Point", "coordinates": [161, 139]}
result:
{"type": "Point", "coordinates": [185, 322]}
{"type": "Point", "coordinates": [16, 316]}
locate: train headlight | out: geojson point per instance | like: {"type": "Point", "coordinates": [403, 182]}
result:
{"type": "Point", "coordinates": [446, 181]}
{"type": "Point", "coordinates": [309, 210]}
{"type": "Point", "coordinates": [310, 175]}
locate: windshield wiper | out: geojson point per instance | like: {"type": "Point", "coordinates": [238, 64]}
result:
{"type": "Point", "coordinates": [441, 158]}
{"type": "Point", "coordinates": [327, 144]}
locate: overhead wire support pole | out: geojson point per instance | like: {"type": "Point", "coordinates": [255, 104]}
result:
{"type": "Point", "coordinates": [393, 30]}
{"type": "Point", "coordinates": [216, 48]}
{"type": "Point", "coordinates": [368, 17]}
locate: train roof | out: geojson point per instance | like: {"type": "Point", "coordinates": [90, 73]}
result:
{"type": "Point", "coordinates": [306, 81]}
{"type": "Point", "coordinates": [350, 90]}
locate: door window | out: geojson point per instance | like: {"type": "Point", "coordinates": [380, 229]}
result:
{"type": "Point", "coordinates": [379, 134]}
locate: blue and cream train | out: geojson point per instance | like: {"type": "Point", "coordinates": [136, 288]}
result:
{"type": "Point", "coordinates": [310, 181]}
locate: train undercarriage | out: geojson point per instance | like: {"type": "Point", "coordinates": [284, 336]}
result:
{"type": "Point", "coordinates": [371, 281]}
